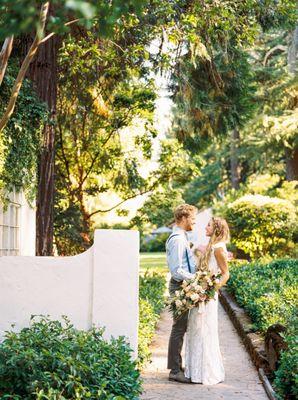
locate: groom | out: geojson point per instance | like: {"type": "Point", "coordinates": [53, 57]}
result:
{"type": "Point", "coordinates": [182, 266]}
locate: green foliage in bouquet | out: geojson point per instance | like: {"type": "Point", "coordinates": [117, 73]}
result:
{"type": "Point", "coordinates": [262, 225]}
{"type": "Point", "coordinates": [268, 292]}
{"type": "Point", "coordinates": [51, 360]}
{"type": "Point", "coordinates": [152, 301]}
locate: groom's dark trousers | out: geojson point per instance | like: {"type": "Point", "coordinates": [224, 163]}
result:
{"type": "Point", "coordinates": [177, 334]}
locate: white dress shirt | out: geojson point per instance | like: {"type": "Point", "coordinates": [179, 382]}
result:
{"type": "Point", "coordinates": [180, 259]}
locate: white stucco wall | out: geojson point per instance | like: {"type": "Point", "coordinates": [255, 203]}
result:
{"type": "Point", "coordinates": [27, 228]}
{"type": "Point", "coordinates": [98, 287]}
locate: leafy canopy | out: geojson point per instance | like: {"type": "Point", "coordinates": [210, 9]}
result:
{"type": "Point", "coordinates": [20, 17]}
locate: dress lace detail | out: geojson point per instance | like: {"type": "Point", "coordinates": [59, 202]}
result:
{"type": "Point", "coordinates": [203, 360]}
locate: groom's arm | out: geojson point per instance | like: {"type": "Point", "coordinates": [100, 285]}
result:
{"type": "Point", "coordinates": [176, 251]}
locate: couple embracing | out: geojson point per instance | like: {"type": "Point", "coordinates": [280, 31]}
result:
{"type": "Point", "coordinates": [199, 326]}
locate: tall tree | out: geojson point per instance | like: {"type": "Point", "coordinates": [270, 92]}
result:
{"type": "Point", "coordinates": [49, 18]}
{"type": "Point", "coordinates": [43, 73]}
{"type": "Point", "coordinates": [100, 98]}
{"type": "Point", "coordinates": [271, 136]}
{"type": "Point", "coordinates": [292, 154]}
{"type": "Point", "coordinates": [213, 82]}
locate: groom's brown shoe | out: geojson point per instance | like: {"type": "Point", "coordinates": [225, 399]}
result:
{"type": "Point", "coordinates": [178, 377]}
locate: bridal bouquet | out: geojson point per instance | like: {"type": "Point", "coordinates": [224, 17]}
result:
{"type": "Point", "coordinates": [200, 289]}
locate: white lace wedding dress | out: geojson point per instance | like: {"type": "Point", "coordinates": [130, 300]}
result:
{"type": "Point", "coordinates": [203, 360]}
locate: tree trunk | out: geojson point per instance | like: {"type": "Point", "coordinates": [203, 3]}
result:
{"type": "Point", "coordinates": [293, 52]}
{"type": "Point", "coordinates": [43, 73]}
{"type": "Point", "coordinates": [29, 56]}
{"type": "Point", "coordinates": [292, 155]}
{"type": "Point", "coordinates": [235, 167]}
{"type": "Point", "coordinates": [292, 164]}
{"type": "Point", "coordinates": [85, 234]}
{"type": "Point", "coordinates": [4, 56]}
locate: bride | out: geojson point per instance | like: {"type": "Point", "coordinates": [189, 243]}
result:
{"type": "Point", "coordinates": [203, 360]}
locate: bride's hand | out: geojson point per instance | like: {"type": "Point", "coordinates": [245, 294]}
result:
{"type": "Point", "coordinates": [201, 248]}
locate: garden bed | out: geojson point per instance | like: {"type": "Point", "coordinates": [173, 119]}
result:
{"type": "Point", "coordinates": [152, 301]}
{"type": "Point", "coordinates": [53, 360]}
{"type": "Point", "coordinates": [268, 293]}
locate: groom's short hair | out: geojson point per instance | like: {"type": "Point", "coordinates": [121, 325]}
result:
{"type": "Point", "coordinates": [184, 210]}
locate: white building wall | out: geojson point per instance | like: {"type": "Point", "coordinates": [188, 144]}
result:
{"type": "Point", "coordinates": [98, 287]}
{"type": "Point", "coordinates": [17, 226]}
{"type": "Point", "coordinates": [198, 235]}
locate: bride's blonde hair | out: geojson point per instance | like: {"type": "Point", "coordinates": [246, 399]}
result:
{"type": "Point", "coordinates": [221, 233]}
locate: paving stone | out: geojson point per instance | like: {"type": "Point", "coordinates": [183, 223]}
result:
{"type": "Point", "coordinates": [241, 383]}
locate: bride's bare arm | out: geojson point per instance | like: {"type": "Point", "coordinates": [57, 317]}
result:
{"type": "Point", "coordinates": [222, 262]}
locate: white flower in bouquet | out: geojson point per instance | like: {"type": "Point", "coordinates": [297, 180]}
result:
{"type": "Point", "coordinates": [178, 303]}
{"type": "Point", "coordinates": [184, 301]}
{"type": "Point", "coordinates": [194, 296]}
{"type": "Point", "coordinates": [177, 293]}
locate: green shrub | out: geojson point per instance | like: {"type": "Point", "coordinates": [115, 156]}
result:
{"type": "Point", "coordinates": [55, 361]}
{"type": "Point", "coordinates": [152, 301]}
{"type": "Point", "coordinates": [156, 244]}
{"type": "Point", "coordinates": [286, 377]}
{"type": "Point", "coordinates": [268, 292]}
{"type": "Point", "coordinates": [262, 225]}
{"type": "Point", "coordinates": [147, 323]}
{"type": "Point", "coordinates": [152, 289]}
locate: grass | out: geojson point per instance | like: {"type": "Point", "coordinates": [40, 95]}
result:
{"type": "Point", "coordinates": [153, 261]}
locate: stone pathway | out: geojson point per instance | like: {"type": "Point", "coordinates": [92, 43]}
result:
{"type": "Point", "coordinates": [242, 381]}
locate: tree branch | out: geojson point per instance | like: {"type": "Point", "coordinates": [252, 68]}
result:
{"type": "Point", "coordinates": [22, 72]}
{"type": "Point", "coordinates": [279, 47]}
{"type": "Point", "coordinates": [4, 56]}
{"type": "Point", "coordinates": [97, 154]}
{"type": "Point", "coordinates": [123, 201]}
{"type": "Point", "coordinates": [64, 158]}
{"type": "Point", "coordinates": [54, 33]}
{"type": "Point", "coordinates": [118, 204]}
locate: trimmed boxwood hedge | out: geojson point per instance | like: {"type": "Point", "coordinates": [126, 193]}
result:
{"type": "Point", "coordinates": [269, 293]}
{"type": "Point", "coordinates": [286, 377]}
